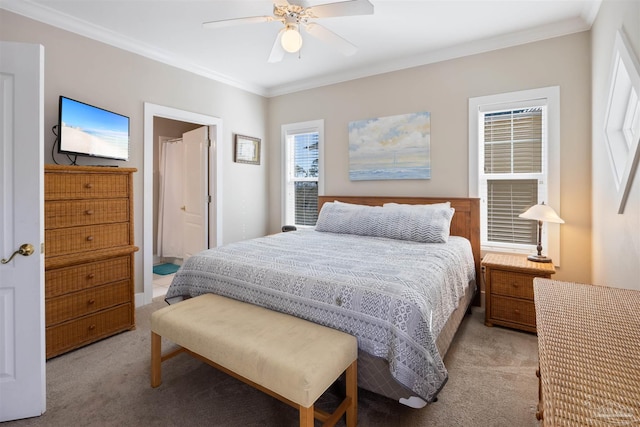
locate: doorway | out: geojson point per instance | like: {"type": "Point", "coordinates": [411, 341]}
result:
{"type": "Point", "coordinates": [181, 219]}
{"type": "Point", "coordinates": [152, 114]}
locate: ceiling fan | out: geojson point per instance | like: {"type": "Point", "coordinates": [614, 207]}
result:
{"type": "Point", "coordinates": [295, 16]}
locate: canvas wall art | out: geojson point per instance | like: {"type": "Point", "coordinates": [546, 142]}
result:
{"type": "Point", "coordinates": [393, 147]}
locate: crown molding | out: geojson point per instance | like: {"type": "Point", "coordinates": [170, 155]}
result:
{"type": "Point", "coordinates": [57, 19]}
{"type": "Point", "coordinates": [557, 29]}
{"type": "Point", "coordinates": [83, 28]}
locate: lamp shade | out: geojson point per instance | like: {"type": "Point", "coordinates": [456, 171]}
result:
{"type": "Point", "coordinates": [542, 212]}
{"type": "Point", "coordinates": [291, 39]}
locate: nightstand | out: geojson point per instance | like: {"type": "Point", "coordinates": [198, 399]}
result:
{"type": "Point", "coordinates": [509, 290]}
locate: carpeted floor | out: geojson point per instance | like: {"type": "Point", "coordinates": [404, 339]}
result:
{"type": "Point", "coordinates": [492, 382]}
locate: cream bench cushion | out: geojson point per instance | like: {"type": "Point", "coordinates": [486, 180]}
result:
{"type": "Point", "coordinates": [292, 357]}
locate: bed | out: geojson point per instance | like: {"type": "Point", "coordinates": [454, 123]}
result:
{"type": "Point", "coordinates": [401, 291]}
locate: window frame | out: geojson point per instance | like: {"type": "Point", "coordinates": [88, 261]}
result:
{"type": "Point", "coordinates": [290, 130]}
{"type": "Point", "coordinates": [550, 96]}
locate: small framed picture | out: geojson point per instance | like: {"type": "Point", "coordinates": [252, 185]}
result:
{"type": "Point", "coordinates": [247, 150]}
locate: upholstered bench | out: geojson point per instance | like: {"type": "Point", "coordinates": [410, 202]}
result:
{"type": "Point", "coordinates": [286, 357]}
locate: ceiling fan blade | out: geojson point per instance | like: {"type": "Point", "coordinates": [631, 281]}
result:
{"type": "Point", "coordinates": [224, 23]}
{"type": "Point", "coordinates": [277, 51]}
{"type": "Point", "coordinates": [343, 8]}
{"type": "Point", "coordinates": [328, 36]}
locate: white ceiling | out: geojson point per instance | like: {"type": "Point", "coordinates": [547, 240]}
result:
{"type": "Point", "coordinates": [399, 34]}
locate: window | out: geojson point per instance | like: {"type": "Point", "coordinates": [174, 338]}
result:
{"type": "Point", "coordinates": [514, 164]}
{"type": "Point", "coordinates": [302, 148]}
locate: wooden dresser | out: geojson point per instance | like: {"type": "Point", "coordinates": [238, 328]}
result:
{"type": "Point", "coordinates": [89, 255]}
{"type": "Point", "coordinates": [509, 290]}
{"type": "Point", "coordinates": [589, 354]}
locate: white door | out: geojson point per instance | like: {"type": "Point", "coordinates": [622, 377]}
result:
{"type": "Point", "coordinates": [22, 342]}
{"type": "Point", "coordinates": [196, 190]}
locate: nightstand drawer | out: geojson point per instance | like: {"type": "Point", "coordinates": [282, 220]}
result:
{"type": "Point", "coordinates": [513, 310]}
{"type": "Point", "coordinates": [509, 290]}
{"type": "Point", "coordinates": [512, 284]}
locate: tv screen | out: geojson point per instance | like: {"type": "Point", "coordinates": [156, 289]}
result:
{"type": "Point", "coordinates": [91, 131]}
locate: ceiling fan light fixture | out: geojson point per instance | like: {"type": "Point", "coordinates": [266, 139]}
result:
{"type": "Point", "coordinates": [291, 39]}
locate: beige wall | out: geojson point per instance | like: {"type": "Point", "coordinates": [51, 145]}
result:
{"type": "Point", "coordinates": [616, 237]}
{"type": "Point", "coordinates": [120, 81]}
{"type": "Point", "coordinates": [444, 90]}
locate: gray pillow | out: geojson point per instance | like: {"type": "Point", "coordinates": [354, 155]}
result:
{"type": "Point", "coordinates": [426, 225]}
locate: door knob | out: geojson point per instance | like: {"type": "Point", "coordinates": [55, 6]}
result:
{"type": "Point", "coordinates": [24, 250]}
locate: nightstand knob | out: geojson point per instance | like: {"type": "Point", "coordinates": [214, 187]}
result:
{"type": "Point", "coordinates": [514, 284]}
{"type": "Point", "coordinates": [91, 301]}
{"type": "Point", "coordinates": [516, 311]}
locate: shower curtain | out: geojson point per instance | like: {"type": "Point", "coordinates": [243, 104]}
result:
{"type": "Point", "coordinates": [170, 205]}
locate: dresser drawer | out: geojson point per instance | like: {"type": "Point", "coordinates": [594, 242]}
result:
{"type": "Point", "coordinates": [513, 284]}
{"type": "Point", "coordinates": [74, 334]}
{"type": "Point", "coordinates": [60, 214]}
{"type": "Point", "coordinates": [66, 186]}
{"type": "Point", "coordinates": [78, 304]}
{"type": "Point", "coordinates": [65, 241]}
{"type": "Point", "coordinates": [72, 279]}
{"type": "Point", "coordinates": [513, 310]}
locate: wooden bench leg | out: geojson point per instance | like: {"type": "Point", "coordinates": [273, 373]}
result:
{"type": "Point", "coordinates": [156, 359]}
{"type": "Point", "coordinates": [306, 416]}
{"type": "Point", "coordinates": [352, 393]}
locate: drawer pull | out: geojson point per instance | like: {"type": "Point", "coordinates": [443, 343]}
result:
{"type": "Point", "coordinates": [88, 185]}
{"type": "Point", "coordinates": [91, 301]}
{"type": "Point", "coordinates": [516, 311]}
{"type": "Point", "coordinates": [91, 276]}
{"type": "Point", "coordinates": [92, 327]}
{"type": "Point", "coordinates": [514, 284]}
{"type": "Point", "coordinates": [89, 238]}
{"type": "Point", "coordinates": [88, 212]}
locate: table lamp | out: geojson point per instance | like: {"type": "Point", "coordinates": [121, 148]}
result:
{"type": "Point", "coordinates": [541, 213]}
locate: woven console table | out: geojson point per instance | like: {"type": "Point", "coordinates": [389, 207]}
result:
{"type": "Point", "coordinates": [589, 351]}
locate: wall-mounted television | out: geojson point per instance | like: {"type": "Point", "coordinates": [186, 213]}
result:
{"type": "Point", "coordinates": [86, 130]}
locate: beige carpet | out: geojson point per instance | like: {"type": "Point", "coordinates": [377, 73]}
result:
{"type": "Point", "coordinates": [492, 382]}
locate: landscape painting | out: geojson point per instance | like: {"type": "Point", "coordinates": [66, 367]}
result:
{"type": "Point", "coordinates": [393, 147]}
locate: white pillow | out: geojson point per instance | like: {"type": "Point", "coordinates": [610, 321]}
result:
{"type": "Point", "coordinates": [443, 205]}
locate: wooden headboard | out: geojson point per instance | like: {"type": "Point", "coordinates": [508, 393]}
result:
{"type": "Point", "coordinates": [465, 222]}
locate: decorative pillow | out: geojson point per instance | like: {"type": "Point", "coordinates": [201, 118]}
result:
{"type": "Point", "coordinates": [418, 225]}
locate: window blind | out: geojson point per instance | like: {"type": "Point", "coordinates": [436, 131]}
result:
{"type": "Point", "coordinates": [306, 203]}
{"type": "Point", "coordinates": [304, 177]}
{"type": "Point", "coordinates": [506, 199]}
{"type": "Point", "coordinates": [513, 141]}
{"type": "Point", "coordinates": [513, 167]}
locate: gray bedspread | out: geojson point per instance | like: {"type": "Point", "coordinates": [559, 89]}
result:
{"type": "Point", "coordinates": [395, 296]}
